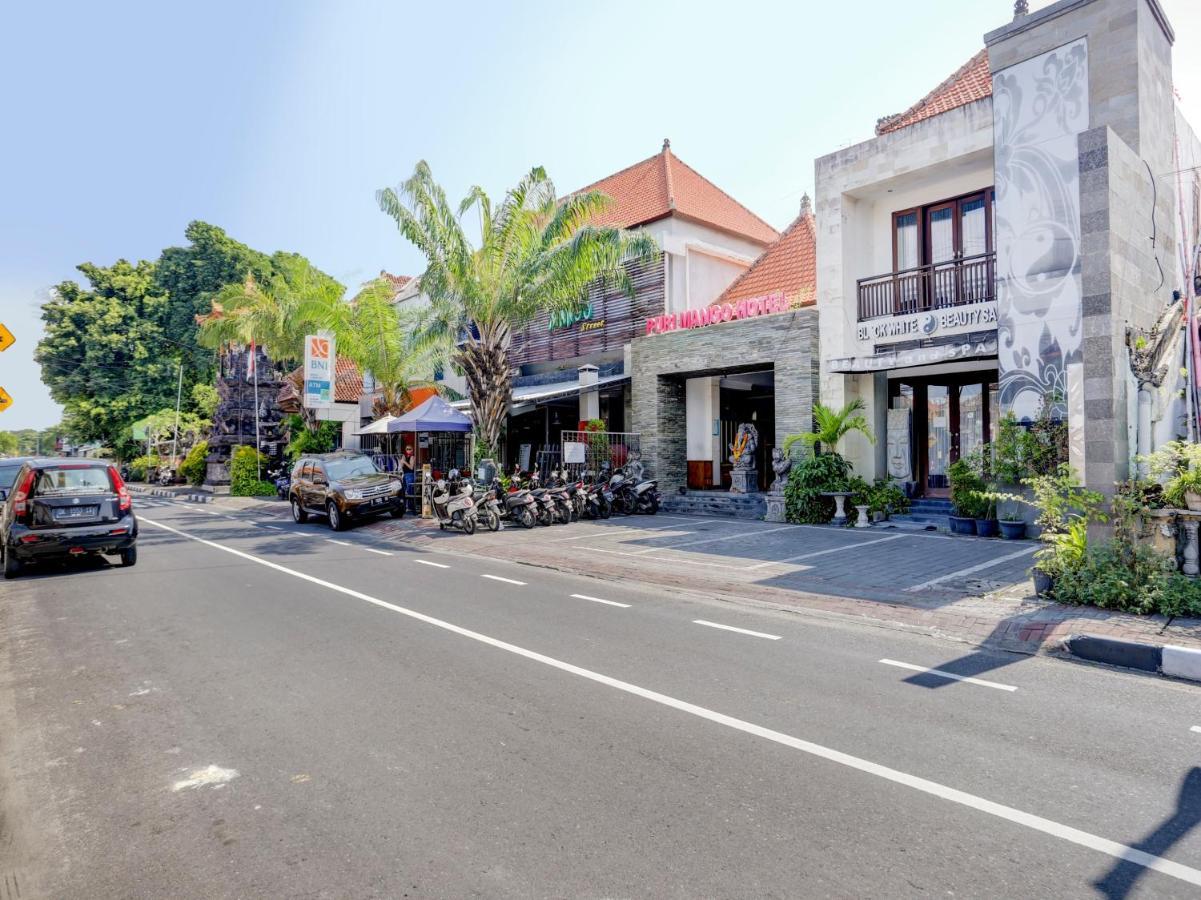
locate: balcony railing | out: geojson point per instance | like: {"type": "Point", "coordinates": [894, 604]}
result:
{"type": "Point", "coordinates": [936, 286]}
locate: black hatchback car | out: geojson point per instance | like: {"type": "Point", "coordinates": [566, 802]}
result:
{"type": "Point", "coordinates": [62, 507]}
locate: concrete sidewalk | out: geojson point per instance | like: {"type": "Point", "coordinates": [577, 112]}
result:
{"type": "Point", "coordinates": [971, 590]}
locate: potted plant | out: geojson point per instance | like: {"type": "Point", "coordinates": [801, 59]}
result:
{"type": "Point", "coordinates": [1011, 452]}
{"type": "Point", "coordinates": [986, 513]}
{"type": "Point", "coordinates": [965, 485]}
{"type": "Point", "coordinates": [1012, 527]}
{"type": "Point", "coordinates": [1184, 490]}
{"type": "Point", "coordinates": [1065, 510]}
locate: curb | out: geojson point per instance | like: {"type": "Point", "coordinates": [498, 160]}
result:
{"type": "Point", "coordinates": [1175, 662]}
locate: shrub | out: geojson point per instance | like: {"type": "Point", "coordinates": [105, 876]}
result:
{"type": "Point", "coordinates": [194, 467]}
{"type": "Point", "coordinates": [310, 440]}
{"type": "Point", "coordinates": [885, 496]}
{"type": "Point", "coordinates": [1059, 497]}
{"type": "Point", "coordinates": [807, 481]}
{"type": "Point", "coordinates": [243, 474]}
{"type": "Point", "coordinates": [139, 466]}
{"type": "Point", "coordinates": [967, 488]}
{"type": "Point", "coordinates": [1130, 579]}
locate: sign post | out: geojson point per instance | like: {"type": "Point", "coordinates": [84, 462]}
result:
{"type": "Point", "coordinates": [319, 356]}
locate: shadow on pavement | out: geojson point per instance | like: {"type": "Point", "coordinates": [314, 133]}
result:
{"type": "Point", "coordinates": [1120, 880]}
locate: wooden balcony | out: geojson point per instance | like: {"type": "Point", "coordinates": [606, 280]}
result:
{"type": "Point", "coordinates": [937, 286]}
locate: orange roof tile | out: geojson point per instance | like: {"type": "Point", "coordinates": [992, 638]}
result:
{"type": "Point", "coordinates": [397, 281]}
{"type": "Point", "coordinates": [664, 185]}
{"type": "Point", "coordinates": [971, 82]}
{"type": "Point", "coordinates": [789, 266]}
{"type": "Point", "coordinates": [348, 384]}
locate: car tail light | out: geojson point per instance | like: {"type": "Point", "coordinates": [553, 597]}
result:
{"type": "Point", "coordinates": [21, 495]}
{"type": "Point", "coordinates": [124, 501]}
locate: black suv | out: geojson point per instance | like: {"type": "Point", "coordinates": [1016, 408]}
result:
{"type": "Point", "coordinates": [66, 507]}
{"type": "Point", "coordinates": [343, 487]}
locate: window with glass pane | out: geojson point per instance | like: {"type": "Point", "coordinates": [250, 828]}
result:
{"type": "Point", "coordinates": [908, 257]}
{"type": "Point", "coordinates": [942, 250]}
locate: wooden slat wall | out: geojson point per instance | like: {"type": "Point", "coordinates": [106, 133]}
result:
{"type": "Point", "coordinates": [625, 319]}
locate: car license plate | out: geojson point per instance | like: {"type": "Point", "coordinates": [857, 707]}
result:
{"type": "Point", "coordinates": [75, 512]}
{"type": "Point", "coordinates": [379, 501]}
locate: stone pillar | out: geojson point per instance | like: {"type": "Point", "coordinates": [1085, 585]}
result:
{"type": "Point", "coordinates": [589, 394]}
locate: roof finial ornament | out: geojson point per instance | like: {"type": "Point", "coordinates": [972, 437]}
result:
{"type": "Point", "coordinates": [666, 144]}
{"type": "Point", "coordinates": [806, 205]}
{"type": "Point", "coordinates": [1020, 8]}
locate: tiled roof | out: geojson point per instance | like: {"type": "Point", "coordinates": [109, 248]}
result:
{"type": "Point", "coordinates": [789, 266]}
{"type": "Point", "coordinates": [397, 281]}
{"type": "Point", "coordinates": [971, 82]}
{"type": "Point", "coordinates": [663, 185]}
{"type": "Point", "coordinates": [348, 384]}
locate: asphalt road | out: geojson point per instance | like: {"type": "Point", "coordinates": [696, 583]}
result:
{"type": "Point", "coordinates": [281, 711]}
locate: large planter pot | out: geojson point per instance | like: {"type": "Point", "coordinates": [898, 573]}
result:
{"type": "Point", "coordinates": [986, 527]}
{"type": "Point", "coordinates": [1012, 530]}
{"type": "Point", "coordinates": [1043, 583]}
{"type": "Point", "coordinates": [963, 525]}
{"type": "Point", "coordinates": [1192, 500]}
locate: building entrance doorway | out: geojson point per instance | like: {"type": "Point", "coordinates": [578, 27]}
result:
{"type": "Point", "coordinates": [950, 416]}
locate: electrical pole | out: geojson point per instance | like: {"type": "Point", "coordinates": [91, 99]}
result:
{"type": "Point", "coordinates": [178, 400]}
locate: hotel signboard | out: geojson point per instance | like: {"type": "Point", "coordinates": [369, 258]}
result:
{"type": "Point", "coordinates": [935, 322]}
{"type": "Point", "coordinates": [738, 311]}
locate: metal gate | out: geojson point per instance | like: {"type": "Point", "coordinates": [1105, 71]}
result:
{"type": "Point", "coordinates": [589, 452]}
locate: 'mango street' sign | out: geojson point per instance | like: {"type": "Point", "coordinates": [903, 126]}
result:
{"type": "Point", "coordinates": [723, 312]}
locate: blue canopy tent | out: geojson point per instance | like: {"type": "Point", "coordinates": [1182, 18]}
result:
{"type": "Point", "coordinates": [435, 414]}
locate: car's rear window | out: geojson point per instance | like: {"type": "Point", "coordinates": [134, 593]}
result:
{"type": "Point", "coordinates": [8, 474]}
{"type": "Point", "coordinates": [72, 480]}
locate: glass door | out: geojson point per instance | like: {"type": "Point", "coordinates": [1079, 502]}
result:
{"type": "Point", "coordinates": [938, 439]}
{"type": "Point", "coordinates": [941, 251]}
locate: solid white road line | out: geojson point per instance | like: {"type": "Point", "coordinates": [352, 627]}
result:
{"type": "Point", "coordinates": [600, 600]}
{"type": "Point", "coordinates": [1196, 728]}
{"type": "Point", "coordinates": [505, 580]}
{"type": "Point", "coordinates": [760, 634]}
{"type": "Point", "coordinates": [942, 673]}
{"type": "Point", "coordinates": [211, 512]}
{"type": "Point", "coordinates": [265, 525]}
{"type": "Point", "coordinates": [340, 543]}
{"type": "Point", "coordinates": [854, 546]}
{"type": "Point", "coordinates": [970, 570]}
{"type": "Point", "coordinates": [672, 559]}
{"type": "Point", "coordinates": [924, 785]}
{"type": "Point", "coordinates": [713, 540]}
{"type": "Point", "coordinates": [426, 562]}
{"type": "Point", "coordinates": [380, 552]}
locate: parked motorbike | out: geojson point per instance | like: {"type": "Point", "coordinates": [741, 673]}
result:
{"type": "Point", "coordinates": [453, 503]}
{"type": "Point", "coordinates": [548, 512]}
{"type": "Point", "coordinates": [623, 492]}
{"type": "Point", "coordinates": [516, 505]}
{"type": "Point", "coordinates": [487, 501]}
{"type": "Point", "coordinates": [565, 497]}
{"type": "Point", "coordinates": [282, 479]}
{"type": "Point", "coordinates": [602, 496]}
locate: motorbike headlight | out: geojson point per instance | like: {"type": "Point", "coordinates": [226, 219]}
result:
{"type": "Point", "coordinates": [354, 495]}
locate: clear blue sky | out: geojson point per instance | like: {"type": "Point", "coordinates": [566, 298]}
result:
{"type": "Point", "coordinates": [278, 121]}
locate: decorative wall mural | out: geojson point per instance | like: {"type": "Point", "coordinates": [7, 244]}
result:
{"type": "Point", "coordinates": [1039, 107]}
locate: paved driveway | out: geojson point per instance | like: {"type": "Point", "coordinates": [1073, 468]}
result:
{"type": "Point", "coordinates": [872, 563]}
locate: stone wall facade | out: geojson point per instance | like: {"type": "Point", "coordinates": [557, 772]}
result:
{"type": "Point", "coordinates": [660, 364]}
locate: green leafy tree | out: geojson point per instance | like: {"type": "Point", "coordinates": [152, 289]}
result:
{"type": "Point", "coordinates": [103, 356]}
{"type": "Point", "coordinates": [536, 253]}
{"type": "Point", "coordinates": [9, 444]}
{"type": "Point", "coordinates": [832, 425]}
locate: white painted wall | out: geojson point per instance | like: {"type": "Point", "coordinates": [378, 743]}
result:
{"type": "Point", "coordinates": [701, 261]}
{"type": "Point", "coordinates": [698, 394]}
{"type": "Point", "coordinates": [858, 189]}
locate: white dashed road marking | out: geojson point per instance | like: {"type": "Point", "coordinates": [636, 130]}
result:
{"type": "Point", "coordinates": [600, 600]}
{"type": "Point", "coordinates": [1196, 728]}
{"type": "Point", "coordinates": [759, 634]}
{"type": "Point", "coordinates": [941, 673]}
{"type": "Point", "coordinates": [426, 562]}
{"type": "Point", "coordinates": [505, 580]}
{"type": "Point", "coordinates": [923, 785]}
{"type": "Point", "coordinates": [380, 552]}
{"type": "Point", "coordinates": [340, 543]}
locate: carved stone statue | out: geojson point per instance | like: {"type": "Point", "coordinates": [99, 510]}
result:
{"type": "Point", "coordinates": [742, 451]}
{"type": "Point", "coordinates": [744, 478]}
{"type": "Point", "coordinates": [781, 464]}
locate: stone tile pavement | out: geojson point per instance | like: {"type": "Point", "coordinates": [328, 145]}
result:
{"type": "Point", "coordinates": [970, 590]}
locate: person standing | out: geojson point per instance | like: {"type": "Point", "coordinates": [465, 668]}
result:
{"type": "Point", "coordinates": [407, 472]}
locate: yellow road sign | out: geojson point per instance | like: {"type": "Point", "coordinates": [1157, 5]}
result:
{"type": "Point", "coordinates": [6, 338]}
{"type": "Point", "coordinates": [5, 400]}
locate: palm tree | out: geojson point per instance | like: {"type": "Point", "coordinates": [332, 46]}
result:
{"type": "Point", "coordinates": [831, 426]}
{"type": "Point", "coordinates": [374, 338]}
{"type": "Point", "coordinates": [536, 253]}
